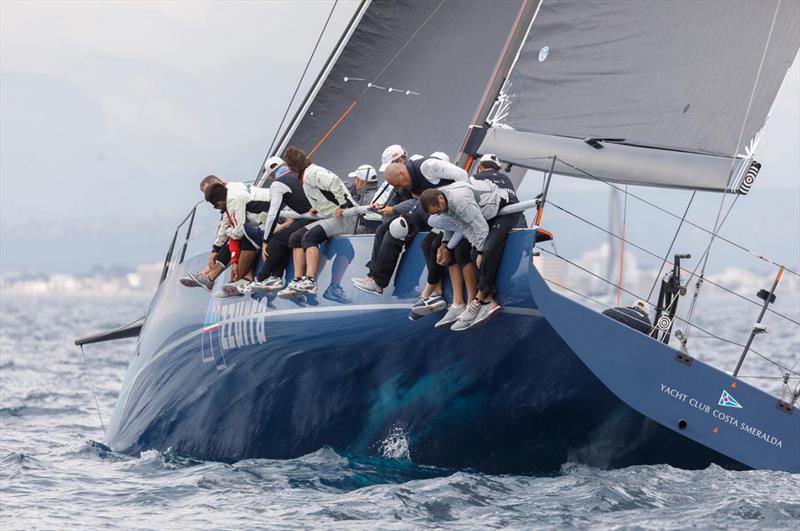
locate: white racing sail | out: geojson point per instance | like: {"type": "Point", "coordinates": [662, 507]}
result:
{"type": "Point", "coordinates": [664, 93]}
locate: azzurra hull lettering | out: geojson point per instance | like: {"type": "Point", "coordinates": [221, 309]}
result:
{"type": "Point", "coordinates": [267, 377]}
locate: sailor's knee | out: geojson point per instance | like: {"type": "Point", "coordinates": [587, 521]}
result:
{"type": "Point", "coordinates": [313, 237]}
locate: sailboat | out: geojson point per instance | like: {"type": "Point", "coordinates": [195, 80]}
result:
{"type": "Point", "coordinates": [663, 94]}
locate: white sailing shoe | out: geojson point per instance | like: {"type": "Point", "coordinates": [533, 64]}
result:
{"type": "Point", "coordinates": [368, 285]}
{"type": "Point", "coordinates": [486, 312]}
{"type": "Point", "coordinates": [267, 285]}
{"type": "Point", "coordinates": [231, 289]}
{"type": "Point", "coordinates": [451, 316]}
{"type": "Point", "coordinates": [467, 317]}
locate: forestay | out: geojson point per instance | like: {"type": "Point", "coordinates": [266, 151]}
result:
{"type": "Point", "coordinates": [682, 88]}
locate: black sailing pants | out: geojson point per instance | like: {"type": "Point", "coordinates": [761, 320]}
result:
{"type": "Point", "coordinates": [279, 251]}
{"type": "Point", "coordinates": [386, 251]}
{"type": "Point", "coordinates": [499, 227]}
{"type": "Point", "coordinates": [430, 245]}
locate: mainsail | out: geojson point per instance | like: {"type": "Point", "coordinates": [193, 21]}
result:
{"type": "Point", "coordinates": [665, 93]}
{"type": "Point", "coordinates": [412, 73]}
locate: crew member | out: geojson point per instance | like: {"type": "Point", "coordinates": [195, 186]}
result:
{"type": "Point", "coordinates": [636, 316]}
{"type": "Point", "coordinates": [363, 189]}
{"type": "Point", "coordinates": [328, 197]}
{"type": "Point", "coordinates": [474, 207]}
{"type": "Point", "coordinates": [286, 190]}
{"type": "Point", "coordinates": [236, 201]}
{"type": "Point", "coordinates": [411, 177]}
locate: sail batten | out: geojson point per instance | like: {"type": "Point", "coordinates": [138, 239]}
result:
{"type": "Point", "coordinates": [693, 77]}
{"type": "Point", "coordinates": [412, 73]}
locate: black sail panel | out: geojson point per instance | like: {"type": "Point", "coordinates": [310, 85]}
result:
{"type": "Point", "coordinates": [436, 57]}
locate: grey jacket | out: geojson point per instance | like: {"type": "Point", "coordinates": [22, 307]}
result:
{"type": "Point", "coordinates": [471, 204]}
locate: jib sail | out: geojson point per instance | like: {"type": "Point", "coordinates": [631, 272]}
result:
{"type": "Point", "coordinates": [665, 93]}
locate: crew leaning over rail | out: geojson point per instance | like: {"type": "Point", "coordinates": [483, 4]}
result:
{"type": "Point", "coordinates": [455, 252]}
{"type": "Point", "coordinates": [473, 207]}
{"type": "Point", "coordinates": [221, 257]}
{"type": "Point", "coordinates": [328, 197]}
{"type": "Point", "coordinates": [286, 190]}
{"type": "Point", "coordinates": [236, 201]}
{"type": "Point", "coordinates": [409, 177]}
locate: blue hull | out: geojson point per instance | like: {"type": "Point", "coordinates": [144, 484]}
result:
{"type": "Point", "coordinates": [265, 377]}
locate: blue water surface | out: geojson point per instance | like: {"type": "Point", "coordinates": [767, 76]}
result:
{"type": "Point", "coordinates": [56, 473]}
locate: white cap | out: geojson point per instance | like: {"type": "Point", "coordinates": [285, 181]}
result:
{"type": "Point", "coordinates": [391, 154]}
{"type": "Point", "coordinates": [642, 306]}
{"type": "Point", "coordinates": [399, 228]}
{"type": "Point", "coordinates": [416, 157]}
{"type": "Point", "coordinates": [489, 157]}
{"type": "Point", "coordinates": [366, 173]}
{"type": "Point", "coordinates": [272, 164]}
{"type": "Point", "coordinates": [440, 155]}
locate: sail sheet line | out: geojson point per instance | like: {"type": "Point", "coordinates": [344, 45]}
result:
{"type": "Point", "coordinates": [777, 364]}
{"type": "Point", "coordinates": [755, 86]}
{"type": "Point", "coordinates": [717, 225]}
{"type": "Point", "coordinates": [665, 258]}
{"type": "Point", "coordinates": [655, 255]}
{"type": "Point", "coordinates": [676, 216]}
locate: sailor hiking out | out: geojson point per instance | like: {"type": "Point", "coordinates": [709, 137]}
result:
{"type": "Point", "coordinates": [409, 179]}
{"type": "Point", "coordinates": [236, 201]}
{"type": "Point", "coordinates": [473, 207]}
{"type": "Point", "coordinates": [455, 255]}
{"type": "Point", "coordinates": [286, 191]}
{"type": "Point", "coordinates": [328, 197]}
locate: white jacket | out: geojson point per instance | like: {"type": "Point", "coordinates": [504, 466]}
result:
{"type": "Point", "coordinates": [325, 191]}
{"type": "Point", "coordinates": [235, 216]}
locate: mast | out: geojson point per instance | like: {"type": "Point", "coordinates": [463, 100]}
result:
{"type": "Point", "coordinates": [516, 38]}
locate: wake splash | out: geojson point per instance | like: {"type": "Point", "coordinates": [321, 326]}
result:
{"type": "Point", "coordinates": [395, 445]}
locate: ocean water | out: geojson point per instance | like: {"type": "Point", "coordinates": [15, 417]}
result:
{"type": "Point", "coordinates": [56, 473]}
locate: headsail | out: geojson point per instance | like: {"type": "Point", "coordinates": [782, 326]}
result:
{"type": "Point", "coordinates": [412, 73]}
{"type": "Point", "coordinates": [682, 87]}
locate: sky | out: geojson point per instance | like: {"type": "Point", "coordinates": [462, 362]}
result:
{"type": "Point", "coordinates": [111, 112]}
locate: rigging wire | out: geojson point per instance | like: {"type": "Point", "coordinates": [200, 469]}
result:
{"type": "Point", "coordinates": [718, 226]}
{"type": "Point", "coordinates": [672, 243]}
{"type": "Point", "coordinates": [94, 392]}
{"type": "Point", "coordinates": [654, 255]}
{"type": "Point", "coordinates": [730, 341]}
{"type": "Point", "coordinates": [676, 216]}
{"type": "Point", "coordinates": [300, 81]}
{"type": "Point", "coordinates": [622, 245]}
{"type": "Point", "coordinates": [403, 47]}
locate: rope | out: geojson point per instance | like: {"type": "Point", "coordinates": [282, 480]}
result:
{"type": "Point", "coordinates": [91, 384]}
{"type": "Point", "coordinates": [717, 225]}
{"type": "Point", "coordinates": [671, 244]}
{"type": "Point", "coordinates": [300, 82]}
{"type": "Point", "coordinates": [775, 363]}
{"type": "Point", "coordinates": [676, 216]}
{"type": "Point", "coordinates": [653, 254]}
{"type": "Point", "coordinates": [622, 245]}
